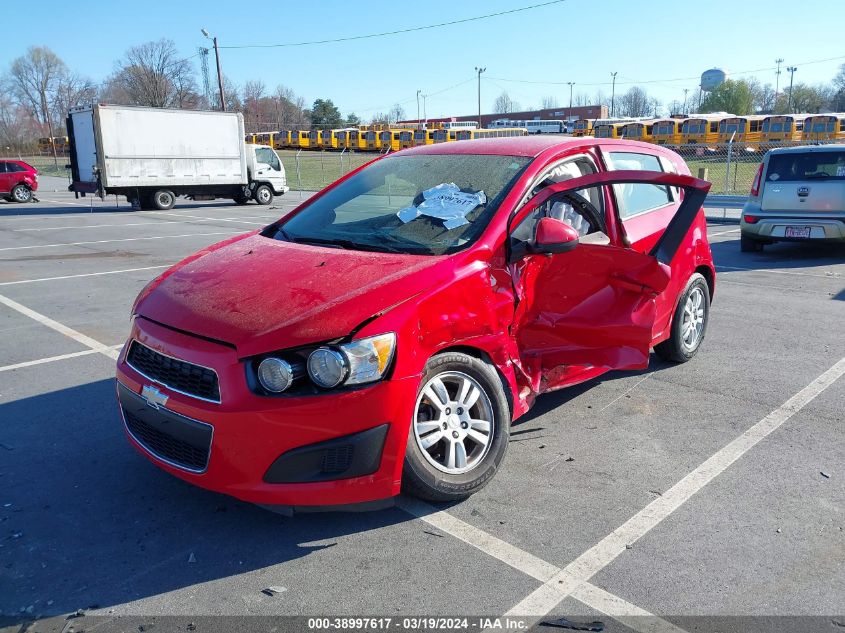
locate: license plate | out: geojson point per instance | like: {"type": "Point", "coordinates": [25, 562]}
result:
{"type": "Point", "coordinates": [797, 231]}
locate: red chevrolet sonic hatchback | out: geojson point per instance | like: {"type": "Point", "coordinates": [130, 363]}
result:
{"type": "Point", "coordinates": [385, 334]}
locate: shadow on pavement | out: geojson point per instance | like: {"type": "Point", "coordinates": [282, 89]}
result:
{"type": "Point", "coordinates": [86, 521]}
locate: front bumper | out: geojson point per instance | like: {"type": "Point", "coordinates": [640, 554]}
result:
{"type": "Point", "coordinates": [337, 448]}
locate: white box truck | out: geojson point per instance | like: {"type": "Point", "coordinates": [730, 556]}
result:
{"type": "Point", "coordinates": [153, 155]}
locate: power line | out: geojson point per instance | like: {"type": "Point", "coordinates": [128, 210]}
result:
{"type": "Point", "coordinates": [400, 31]}
{"type": "Point", "coordinates": [658, 81]}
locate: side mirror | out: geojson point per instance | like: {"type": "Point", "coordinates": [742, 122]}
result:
{"type": "Point", "coordinates": [554, 236]}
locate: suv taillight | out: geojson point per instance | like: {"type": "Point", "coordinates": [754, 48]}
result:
{"type": "Point", "coordinates": [755, 185]}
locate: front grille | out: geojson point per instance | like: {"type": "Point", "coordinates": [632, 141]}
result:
{"type": "Point", "coordinates": [166, 446]}
{"type": "Point", "coordinates": [179, 375]}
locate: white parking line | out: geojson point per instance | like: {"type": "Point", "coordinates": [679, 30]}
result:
{"type": "Point", "coordinates": [723, 233]}
{"type": "Point", "coordinates": [126, 239]}
{"type": "Point", "coordinates": [199, 217]}
{"type": "Point", "coordinates": [79, 337]}
{"type": "Point", "coordinates": [105, 272]}
{"type": "Point", "coordinates": [150, 223]}
{"type": "Point", "coordinates": [572, 580]}
{"type": "Point", "coordinates": [51, 359]}
{"type": "Point", "coordinates": [628, 614]}
{"type": "Point", "coordinates": [530, 565]}
{"type": "Point", "coordinates": [579, 571]}
{"type": "Point", "coordinates": [781, 272]}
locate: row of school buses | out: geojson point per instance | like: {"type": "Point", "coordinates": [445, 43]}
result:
{"type": "Point", "coordinates": [752, 131]}
{"type": "Point", "coordinates": [380, 138]}
{"type": "Point", "coordinates": [47, 143]}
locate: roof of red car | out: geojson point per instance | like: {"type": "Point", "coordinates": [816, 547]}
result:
{"type": "Point", "coordinates": [515, 145]}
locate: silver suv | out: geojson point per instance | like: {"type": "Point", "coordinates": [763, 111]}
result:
{"type": "Point", "coordinates": [798, 194]}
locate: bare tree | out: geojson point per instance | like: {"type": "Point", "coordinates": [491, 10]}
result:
{"type": "Point", "coordinates": [18, 127]}
{"type": "Point", "coordinates": [581, 99]}
{"type": "Point", "coordinates": [36, 77]}
{"type": "Point", "coordinates": [397, 113]}
{"type": "Point", "coordinates": [549, 101]}
{"type": "Point", "coordinates": [153, 74]}
{"type": "Point", "coordinates": [635, 103]}
{"type": "Point", "coordinates": [289, 109]}
{"type": "Point", "coordinates": [253, 93]}
{"type": "Point", "coordinates": [73, 90]}
{"type": "Point", "coordinates": [503, 104]}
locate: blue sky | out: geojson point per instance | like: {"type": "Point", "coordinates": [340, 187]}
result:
{"type": "Point", "coordinates": [576, 40]}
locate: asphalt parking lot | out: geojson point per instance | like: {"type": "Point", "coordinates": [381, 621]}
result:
{"type": "Point", "coordinates": [649, 500]}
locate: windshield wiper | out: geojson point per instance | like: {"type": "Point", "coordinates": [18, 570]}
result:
{"type": "Point", "coordinates": [346, 244]}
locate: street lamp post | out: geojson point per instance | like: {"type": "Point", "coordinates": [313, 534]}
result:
{"type": "Point", "coordinates": [686, 90]}
{"type": "Point", "coordinates": [612, 92]}
{"type": "Point", "coordinates": [778, 61]}
{"type": "Point", "coordinates": [219, 71]}
{"type": "Point", "coordinates": [791, 70]}
{"type": "Point", "coordinates": [479, 71]}
{"type": "Point", "coordinates": [419, 92]}
{"type": "Point", "coordinates": [425, 116]}
{"type": "Point", "coordinates": [570, 84]}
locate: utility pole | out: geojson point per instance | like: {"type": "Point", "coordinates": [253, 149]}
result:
{"type": "Point", "coordinates": [479, 71]}
{"type": "Point", "coordinates": [613, 92]}
{"type": "Point", "coordinates": [425, 116]}
{"type": "Point", "coordinates": [778, 61]}
{"type": "Point", "coordinates": [570, 84]}
{"type": "Point", "coordinates": [419, 92]}
{"type": "Point", "coordinates": [686, 90]}
{"type": "Point", "coordinates": [791, 70]}
{"type": "Point", "coordinates": [219, 71]}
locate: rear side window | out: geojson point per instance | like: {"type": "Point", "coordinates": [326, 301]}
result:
{"type": "Point", "coordinates": [3, 168]}
{"type": "Point", "coordinates": [14, 167]}
{"type": "Point", "coordinates": [636, 198]}
{"type": "Point", "coordinates": [810, 166]}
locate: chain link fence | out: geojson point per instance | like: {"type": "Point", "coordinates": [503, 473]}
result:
{"type": "Point", "coordinates": [311, 170]}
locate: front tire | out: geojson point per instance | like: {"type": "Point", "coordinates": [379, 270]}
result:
{"type": "Point", "coordinates": [21, 193]}
{"type": "Point", "coordinates": [689, 323]}
{"type": "Point", "coordinates": [263, 195]}
{"type": "Point", "coordinates": [163, 200]}
{"type": "Point", "coordinates": [459, 431]}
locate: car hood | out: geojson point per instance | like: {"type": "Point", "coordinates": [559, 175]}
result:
{"type": "Point", "coordinates": [261, 294]}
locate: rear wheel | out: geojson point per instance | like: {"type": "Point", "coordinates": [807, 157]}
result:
{"type": "Point", "coordinates": [459, 432]}
{"type": "Point", "coordinates": [747, 245]}
{"type": "Point", "coordinates": [163, 200]}
{"type": "Point", "coordinates": [689, 323]}
{"type": "Point", "coordinates": [241, 199]}
{"type": "Point", "coordinates": [263, 195]}
{"type": "Point", "coordinates": [21, 193]}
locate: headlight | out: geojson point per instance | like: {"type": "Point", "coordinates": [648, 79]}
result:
{"type": "Point", "coordinates": [368, 358]}
{"type": "Point", "coordinates": [354, 363]}
{"type": "Point", "coordinates": [275, 374]}
{"type": "Point", "coordinates": [327, 367]}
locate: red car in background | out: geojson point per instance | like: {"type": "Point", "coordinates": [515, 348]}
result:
{"type": "Point", "coordinates": [386, 334]}
{"type": "Point", "coordinates": [17, 180]}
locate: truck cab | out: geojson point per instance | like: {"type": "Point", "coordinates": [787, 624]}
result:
{"type": "Point", "coordinates": [265, 168]}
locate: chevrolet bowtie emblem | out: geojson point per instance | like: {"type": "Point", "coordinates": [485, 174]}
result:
{"type": "Point", "coordinates": [153, 396]}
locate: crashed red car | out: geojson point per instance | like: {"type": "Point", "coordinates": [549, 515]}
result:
{"type": "Point", "coordinates": [386, 334]}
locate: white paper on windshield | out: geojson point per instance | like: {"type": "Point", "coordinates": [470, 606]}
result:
{"type": "Point", "coordinates": [446, 202]}
{"type": "Point", "coordinates": [840, 170]}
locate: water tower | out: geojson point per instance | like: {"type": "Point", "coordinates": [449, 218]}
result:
{"type": "Point", "coordinates": [712, 79]}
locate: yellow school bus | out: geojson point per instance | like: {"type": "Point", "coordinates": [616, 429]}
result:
{"type": "Point", "coordinates": [281, 139]}
{"type": "Point", "coordinates": [328, 139]}
{"type": "Point", "coordinates": [637, 131]}
{"type": "Point", "coordinates": [778, 128]}
{"type": "Point", "coordinates": [743, 129]}
{"type": "Point", "coordinates": [666, 131]}
{"type": "Point", "coordinates": [824, 127]}
{"type": "Point", "coordinates": [299, 139]}
{"type": "Point", "coordinates": [389, 139]}
{"type": "Point", "coordinates": [582, 127]}
{"type": "Point", "coordinates": [315, 139]}
{"type": "Point", "coordinates": [701, 129]}
{"type": "Point", "coordinates": [371, 140]}
{"type": "Point", "coordinates": [249, 138]}
{"type": "Point", "coordinates": [422, 137]}
{"type": "Point", "coordinates": [266, 138]}
{"type": "Point", "coordinates": [608, 130]}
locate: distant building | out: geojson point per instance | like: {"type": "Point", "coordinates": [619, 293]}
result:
{"type": "Point", "coordinates": [564, 114]}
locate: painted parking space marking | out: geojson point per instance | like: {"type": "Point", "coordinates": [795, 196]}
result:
{"type": "Point", "coordinates": [79, 337]}
{"type": "Point", "coordinates": [97, 274]}
{"type": "Point", "coordinates": [580, 570]}
{"type": "Point", "coordinates": [125, 239]}
{"type": "Point", "coordinates": [528, 564]}
{"type": "Point", "coordinates": [52, 359]}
